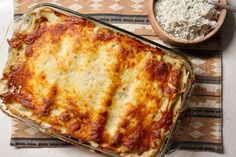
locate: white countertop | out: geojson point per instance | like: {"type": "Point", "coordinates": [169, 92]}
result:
{"type": "Point", "coordinates": [229, 101]}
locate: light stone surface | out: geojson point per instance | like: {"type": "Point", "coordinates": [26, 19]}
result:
{"type": "Point", "coordinates": [229, 101]}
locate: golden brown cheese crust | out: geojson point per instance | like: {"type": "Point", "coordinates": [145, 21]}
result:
{"type": "Point", "coordinates": [92, 83]}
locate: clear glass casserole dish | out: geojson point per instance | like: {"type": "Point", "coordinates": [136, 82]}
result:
{"type": "Point", "coordinates": [26, 19]}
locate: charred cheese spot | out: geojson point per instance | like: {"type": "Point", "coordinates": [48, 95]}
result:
{"type": "Point", "coordinates": [175, 77]}
{"type": "Point", "coordinates": [80, 21]}
{"type": "Point", "coordinates": [157, 70]}
{"type": "Point", "coordinates": [97, 127]}
{"type": "Point", "coordinates": [46, 107]}
{"type": "Point", "coordinates": [29, 51]}
{"type": "Point", "coordinates": [92, 83]}
{"type": "Point", "coordinates": [24, 100]}
{"type": "Point", "coordinates": [34, 35]}
{"type": "Point", "coordinates": [17, 40]}
{"type": "Point", "coordinates": [105, 35]}
{"type": "Point", "coordinates": [18, 75]}
{"type": "Point", "coordinates": [65, 116]}
{"type": "Point", "coordinates": [74, 125]}
{"type": "Point", "coordinates": [57, 31]}
{"type": "Point", "coordinates": [171, 89]}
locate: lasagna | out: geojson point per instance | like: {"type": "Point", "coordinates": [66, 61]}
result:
{"type": "Point", "coordinates": [92, 83]}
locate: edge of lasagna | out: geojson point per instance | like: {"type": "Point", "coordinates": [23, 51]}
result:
{"type": "Point", "coordinates": [93, 83]}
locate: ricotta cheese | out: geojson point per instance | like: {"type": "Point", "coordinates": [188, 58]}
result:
{"type": "Point", "coordinates": [186, 19]}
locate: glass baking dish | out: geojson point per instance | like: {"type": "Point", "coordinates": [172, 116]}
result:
{"type": "Point", "coordinates": [25, 20]}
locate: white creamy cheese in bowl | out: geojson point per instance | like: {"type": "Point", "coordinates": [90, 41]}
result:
{"type": "Point", "coordinates": [186, 21]}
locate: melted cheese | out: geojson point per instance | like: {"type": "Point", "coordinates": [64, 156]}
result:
{"type": "Point", "coordinates": [93, 83]}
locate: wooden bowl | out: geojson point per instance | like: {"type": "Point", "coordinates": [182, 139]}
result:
{"type": "Point", "coordinates": [163, 35]}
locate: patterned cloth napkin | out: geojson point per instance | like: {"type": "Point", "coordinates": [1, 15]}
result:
{"type": "Point", "coordinates": [203, 118]}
